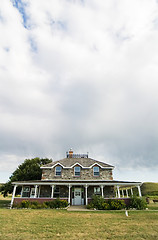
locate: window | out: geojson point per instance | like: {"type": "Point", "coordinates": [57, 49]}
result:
{"type": "Point", "coordinates": [77, 171]}
{"type": "Point", "coordinates": [97, 191]}
{"type": "Point", "coordinates": [96, 171]}
{"type": "Point", "coordinates": [32, 194]}
{"type": "Point", "coordinates": [26, 192]}
{"type": "Point", "coordinates": [58, 171]}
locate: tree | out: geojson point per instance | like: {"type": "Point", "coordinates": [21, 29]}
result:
{"type": "Point", "coordinates": [28, 170]}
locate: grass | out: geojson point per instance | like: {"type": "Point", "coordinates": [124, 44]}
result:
{"type": "Point", "coordinates": [149, 188]}
{"type": "Point", "coordinates": [26, 224]}
{"type": "Point", "coordinates": [42, 224]}
{"type": "Point", "coordinates": [152, 206]}
{"type": "Point", "coordinates": [5, 202]}
{"type": "Point", "coordinates": [60, 224]}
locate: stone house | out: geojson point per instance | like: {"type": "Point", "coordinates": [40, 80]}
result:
{"type": "Point", "coordinates": [76, 179]}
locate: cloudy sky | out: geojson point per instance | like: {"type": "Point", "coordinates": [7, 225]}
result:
{"type": "Point", "coordinates": [80, 74]}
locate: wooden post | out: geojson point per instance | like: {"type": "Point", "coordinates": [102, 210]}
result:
{"type": "Point", "coordinates": [52, 194]}
{"type": "Point", "coordinates": [102, 191]}
{"type": "Point", "coordinates": [139, 191]}
{"type": "Point", "coordinates": [39, 191]}
{"type": "Point", "coordinates": [21, 192]}
{"type": "Point", "coordinates": [118, 189]}
{"type": "Point", "coordinates": [69, 199]}
{"type": "Point", "coordinates": [86, 194]}
{"type": "Point", "coordinates": [13, 195]}
{"type": "Point", "coordinates": [123, 193]}
{"type": "Point", "coordinates": [127, 192]}
{"type": "Point", "coordinates": [116, 193]}
{"type": "Point", "coordinates": [36, 186]}
{"type": "Point", "coordinates": [131, 191]}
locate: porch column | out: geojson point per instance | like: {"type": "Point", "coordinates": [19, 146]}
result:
{"type": "Point", "coordinates": [122, 193]}
{"type": "Point", "coordinates": [116, 193]}
{"type": "Point", "coordinates": [118, 189]}
{"type": "Point", "coordinates": [139, 191]}
{"type": "Point", "coordinates": [131, 191]}
{"type": "Point", "coordinates": [39, 191]}
{"type": "Point", "coordinates": [102, 190]}
{"type": "Point", "coordinates": [127, 192]}
{"type": "Point", "coordinates": [36, 186]}
{"type": "Point", "coordinates": [21, 192]}
{"type": "Point", "coordinates": [69, 199]}
{"type": "Point", "coordinates": [13, 195]}
{"type": "Point", "coordinates": [86, 194]}
{"type": "Point", "coordinates": [52, 193]}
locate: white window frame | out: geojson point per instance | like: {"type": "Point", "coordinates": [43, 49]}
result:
{"type": "Point", "coordinates": [58, 171]}
{"type": "Point", "coordinates": [96, 175]}
{"type": "Point", "coordinates": [77, 171]}
{"type": "Point", "coordinates": [97, 190]}
{"type": "Point", "coordinates": [26, 189]}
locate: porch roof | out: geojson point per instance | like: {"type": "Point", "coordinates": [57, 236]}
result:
{"type": "Point", "coordinates": [78, 182]}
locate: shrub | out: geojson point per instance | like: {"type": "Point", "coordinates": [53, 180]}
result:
{"type": "Point", "coordinates": [101, 204]}
{"type": "Point", "coordinates": [57, 203]}
{"type": "Point", "coordinates": [35, 205]}
{"type": "Point", "coordinates": [116, 204]}
{"type": "Point", "coordinates": [138, 203]}
{"type": "Point", "coordinates": [24, 204]}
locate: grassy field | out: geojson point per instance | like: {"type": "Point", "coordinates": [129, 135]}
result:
{"type": "Point", "coordinates": [4, 202]}
{"type": "Point", "coordinates": [149, 188]}
{"type": "Point", "coordinates": [23, 224]}
{"type": "Point", "coordinates": [60, 224]}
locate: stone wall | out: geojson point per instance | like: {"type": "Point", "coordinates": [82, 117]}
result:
{"type": "Point", "coordinates": [86, 174]}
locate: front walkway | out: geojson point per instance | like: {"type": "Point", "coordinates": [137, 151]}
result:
{"type": "Point", "coordinates": [78, 208]}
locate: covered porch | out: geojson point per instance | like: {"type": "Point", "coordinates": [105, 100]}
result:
{"type": "Point", "coordinates": [75, 192]}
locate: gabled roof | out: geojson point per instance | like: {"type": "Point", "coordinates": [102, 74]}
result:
{"type": "Point", "coordinates": [82, 162]}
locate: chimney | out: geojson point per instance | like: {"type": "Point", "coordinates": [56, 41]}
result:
{"type": "Point", "coordinates": [70, 153]}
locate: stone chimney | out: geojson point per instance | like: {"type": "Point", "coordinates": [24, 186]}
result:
{"type": "Point", "coordinates": [70, 153]}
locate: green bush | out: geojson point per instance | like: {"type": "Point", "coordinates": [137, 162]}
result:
{"type": "Point", "coordinates": [35, 205]}
{"type": "Point", "coordinates": [116, 204]}
{"type": "Point", "coordinates": [24, 204]}
{"type": "Point", "coordinates": [101, 204]}
{"type": "Point", "coordinates": [138, 203]}
{"type": "Point", "coordinates": [57, 203]}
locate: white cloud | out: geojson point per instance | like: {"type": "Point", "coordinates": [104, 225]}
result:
{"type": "Point", "coordinates": [79, 74]}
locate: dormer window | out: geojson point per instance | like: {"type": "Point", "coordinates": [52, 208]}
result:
{"type": "Point", "coordinates": [58, 171]}
{"type": "Point", "coordinates": [77, 171]}
{"type": "Point", "coordinates": [96, 171]}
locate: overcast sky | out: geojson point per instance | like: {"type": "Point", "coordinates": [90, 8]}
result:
{"type": "Point", "coordinates": [80, 74]}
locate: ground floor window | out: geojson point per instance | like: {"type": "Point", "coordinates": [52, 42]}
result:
{"type": "Point", "coordinates": [26, 192]}
{"type": "Point", "coordinates": [97, 190]}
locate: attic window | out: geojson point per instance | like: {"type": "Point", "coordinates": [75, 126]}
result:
{"type": "Point", "coordinates": [58, 171]}
{"type": "Point", "coordinates": [77, 171]}
{"type": "Point", "coordinates": [96, 171]}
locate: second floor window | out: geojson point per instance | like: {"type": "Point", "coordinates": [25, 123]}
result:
{"type": "Point", "coordinates": [58, 171]}
{"type": "Point", "coordinates": [77, 171]}
{"type": "Point", "coordinates": [96, 171]}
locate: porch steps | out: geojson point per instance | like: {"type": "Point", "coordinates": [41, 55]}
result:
{"type": "Point", "coordinates": [78, 208]}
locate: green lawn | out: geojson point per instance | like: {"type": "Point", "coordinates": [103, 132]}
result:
{"type": "Point", "coordinates": [60, 224]}
{"type": "Point", "coordinates": [149, 188]}
{"type": "Point", "coordinates": [4, 202]}
{"type": "Point", "coordinates": [23, 224]}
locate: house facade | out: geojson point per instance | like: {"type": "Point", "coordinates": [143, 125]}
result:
{"type": "Point", "coordinates": [76, 179]}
